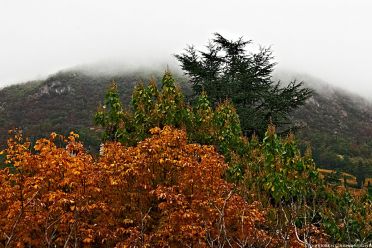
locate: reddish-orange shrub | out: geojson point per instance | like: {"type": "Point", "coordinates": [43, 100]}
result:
{"type": "Point", "coordinates": [50, 196]}
{"type": "Point", "coordinates": [161, 193]}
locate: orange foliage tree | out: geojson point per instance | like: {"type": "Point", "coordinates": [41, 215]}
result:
{"type": "Point", "coordinates": [50, 195]}
{"type": "Point", "coordinates": [163, 192]}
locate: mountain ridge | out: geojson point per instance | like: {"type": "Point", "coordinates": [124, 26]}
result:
{"type": "Point", "coordinates": [336, 123]}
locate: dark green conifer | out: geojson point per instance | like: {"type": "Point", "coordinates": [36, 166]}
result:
{"type": "Point", "coordinates": [227, 71]}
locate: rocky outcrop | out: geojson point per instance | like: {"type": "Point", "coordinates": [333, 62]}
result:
{"type": "Point", "coordinates": [52, 88]}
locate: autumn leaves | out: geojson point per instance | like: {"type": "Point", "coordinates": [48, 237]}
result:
{"type": "Point", "coordinates": [162, 192]}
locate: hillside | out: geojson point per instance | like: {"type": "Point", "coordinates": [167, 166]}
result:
{"type": "Point", "coordinates": [63, 102]}
{"type": "Point", "coordinates": [338, 125]}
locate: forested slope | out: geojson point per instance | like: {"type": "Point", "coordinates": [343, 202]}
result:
{"type": "Point", "coordinates": [337, 124]}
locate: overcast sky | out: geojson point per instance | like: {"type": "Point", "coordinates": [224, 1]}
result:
{"type": "Point", "coordinates": [329, 39]}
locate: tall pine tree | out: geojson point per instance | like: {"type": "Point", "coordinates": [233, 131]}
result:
{"type": "Point", "coordinates": [228, 71]}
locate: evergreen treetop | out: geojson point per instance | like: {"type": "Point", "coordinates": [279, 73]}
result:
{"type": "Point", "coordinates": [228, 71]}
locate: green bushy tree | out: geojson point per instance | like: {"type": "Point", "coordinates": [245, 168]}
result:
{"type": "Point", "coordinates": [302, 202]}
{"type": "Point", "coordinates": [111, 116]}
{"type": "Point", "coordinates": [283, 172]}
{"type": "Point", "coordinates": [154, 107]}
